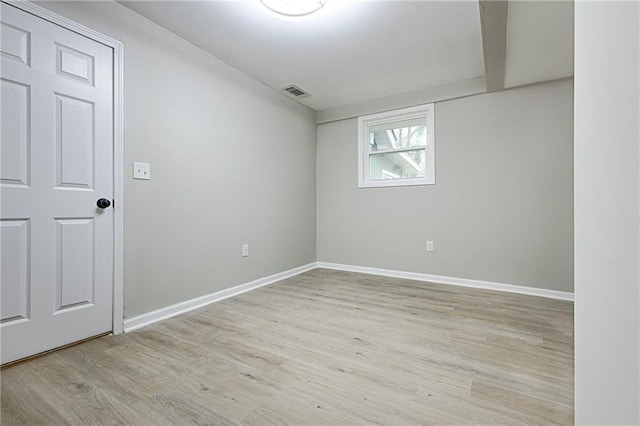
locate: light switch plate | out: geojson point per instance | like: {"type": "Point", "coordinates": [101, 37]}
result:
{"type": "Point", "coordinates": [141, 170]}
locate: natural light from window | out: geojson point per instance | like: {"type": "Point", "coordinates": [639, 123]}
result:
{"type": "Point", "coordinates": [396, 148]}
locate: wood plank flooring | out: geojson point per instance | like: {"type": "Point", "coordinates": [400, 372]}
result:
{"type": "Point", "coordinates": [321, 348]}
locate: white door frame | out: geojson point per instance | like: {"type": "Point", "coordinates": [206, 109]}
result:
{"type": "Point", "coordinates": [118, 145]}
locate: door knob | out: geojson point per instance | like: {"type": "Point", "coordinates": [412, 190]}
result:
{"type": "Point", "coordinates": [103, 203]}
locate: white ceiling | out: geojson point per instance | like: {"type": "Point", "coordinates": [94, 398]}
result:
{"type": "Point", "coordinates": [539, 42]}
{"type": "Point", "coordinates": [361, 51]}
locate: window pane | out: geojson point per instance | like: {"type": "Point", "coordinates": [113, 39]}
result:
{"type": "Point", "coordinates": [398, 134]}
{"type": "Point", "coordinates": [397, 165]}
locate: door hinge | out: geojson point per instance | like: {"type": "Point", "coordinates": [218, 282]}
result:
{"type": "Point", "coordinates": [113, 204]}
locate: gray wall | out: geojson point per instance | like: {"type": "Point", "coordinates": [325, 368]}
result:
{"type": "Point", "coordinates": [607, 195]}
{"type": "Point", "coordinates": [232, 162]}
{"type": "Point", "coordinates": [502, 206]}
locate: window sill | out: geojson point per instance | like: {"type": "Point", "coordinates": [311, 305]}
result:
{"type": "Point", "coordinates": [394, 184]}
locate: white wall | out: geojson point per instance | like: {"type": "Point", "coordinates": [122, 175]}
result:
{"type": "Point", "coordinates": [232, 162]}
{"type": "Point", "coordinates": [607, 205]}
{"type": "Point", "coordinates": [502, 206]}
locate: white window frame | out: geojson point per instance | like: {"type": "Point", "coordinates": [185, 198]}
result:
{"type": "Point", "coordinates": [365, 122]}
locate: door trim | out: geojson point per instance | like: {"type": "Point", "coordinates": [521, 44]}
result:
{"type": "Point", "coordinates": [118, 145]}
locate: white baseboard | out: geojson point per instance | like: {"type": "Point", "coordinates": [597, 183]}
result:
{"type": "Point", "coordinates": [143, 320]}
{"type": "Point", "coordinates": [189, 305]}
{"type": "Point", "coordinates": [463, 282]}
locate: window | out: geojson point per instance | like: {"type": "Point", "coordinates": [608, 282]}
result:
{"type": "Point", "coordinates": [396, 148]}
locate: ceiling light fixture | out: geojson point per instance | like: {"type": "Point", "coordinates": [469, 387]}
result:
{"type": "Point", "coordinates": [293, 9]}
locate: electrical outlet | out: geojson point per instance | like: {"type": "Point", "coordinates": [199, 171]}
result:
{"type": "Point", "coordinates": [141, 170]}
{"type": "Point", "coordinates": [245, 250]}
{"type": "Point", "coordinates": [429, 245]}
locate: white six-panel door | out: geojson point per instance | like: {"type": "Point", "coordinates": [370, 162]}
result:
{"type": "Point", "coordinates": [56, 161]}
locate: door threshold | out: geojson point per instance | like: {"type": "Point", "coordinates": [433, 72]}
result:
{"type": "Point", "coordinates": [40, 354]}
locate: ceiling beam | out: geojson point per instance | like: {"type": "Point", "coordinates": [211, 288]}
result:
{"type": "Point", "coordinates": [493, 19]}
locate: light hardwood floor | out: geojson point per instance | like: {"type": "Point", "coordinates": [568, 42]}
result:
{"type": "Point", "coordinates": [322, 348]}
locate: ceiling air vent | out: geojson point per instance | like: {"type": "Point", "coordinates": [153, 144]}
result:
{"type": "Point", "coordinates": [295, 91]}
